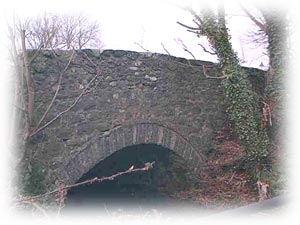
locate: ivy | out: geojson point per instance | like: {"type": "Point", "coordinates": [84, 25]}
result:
{"type": "Point", "coordinates": [277, 49]}
{"type": "Point", "coordinates": [243, 111]}
{"type": "Point", "coordinates": [242, 106]}
{"type": "Point", "coordinates": [33, 181]}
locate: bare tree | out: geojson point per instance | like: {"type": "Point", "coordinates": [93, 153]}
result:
{"type": "Point", "coordinates": [256, 36]}
{"type": "Point", "coordinates": [77, 31]}
{"type": "Point", "coordinates": [42, 32]}
{"type": "Point", "coordinates": [53, 31]}
{"type": "Point", "coordinates": [48, 31]}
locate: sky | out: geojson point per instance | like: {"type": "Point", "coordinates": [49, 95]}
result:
{"type": "Point", "coordinates": [150, 23]}
{"type": "Point", "coordinates": [131, 24]}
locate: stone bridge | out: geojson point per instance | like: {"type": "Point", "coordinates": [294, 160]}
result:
{"type": "Point", "coordinates": [137, 98]}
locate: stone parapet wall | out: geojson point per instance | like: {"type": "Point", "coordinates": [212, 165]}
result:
{"type": "Point", "coordinates": [134, 90]}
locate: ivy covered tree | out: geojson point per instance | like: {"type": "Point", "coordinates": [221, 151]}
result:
{"type": "Point", "coordinates": [276, 30]}
{"type": "Point", "coordinates": [272, 33]}
{"type": "Point", "coordinates": [242, 105]}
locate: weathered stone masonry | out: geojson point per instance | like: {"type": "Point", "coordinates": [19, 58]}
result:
{"type": "Point", "coordinates": [138, 98]}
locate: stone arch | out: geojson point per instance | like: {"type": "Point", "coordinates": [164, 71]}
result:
{"type": "Point", "coordinates": [122, 136]}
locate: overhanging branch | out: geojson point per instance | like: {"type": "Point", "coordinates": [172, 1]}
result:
{"type": "Point", "coordinates": [188, 27]}
{"type": "Point", "coordinates": [147, 167]}
{"type": "Point", "coordinates": [85, 90]}
{"type": "Point", "coordinates": [57, 89]}
{"type": "Point", "coordinates": [207, 51]}
{"type": "Point", "coordinates": [254, 20]}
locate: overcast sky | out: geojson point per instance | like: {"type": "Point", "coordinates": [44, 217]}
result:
{"type": "Point", "coordinates": [129, 23]}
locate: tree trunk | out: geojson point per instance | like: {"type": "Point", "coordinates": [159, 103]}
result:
{"type": "Point", "coordinates": [242, 106]}
{"type": "Point", "coordinates": [29, 81]}
{"type": "Point", "coordinates": [277, 48]}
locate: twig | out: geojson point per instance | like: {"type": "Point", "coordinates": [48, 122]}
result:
{"type": "Point", "coordinates": [188, 27]}
{"type": "Point", "coordinates": [56, 92]}
{"type": "Point", "coordinates": [207, 51]}
{"type": "Point", "coordinates": [19, 108]}
{"type": "Point", "coordinates": [185, 48]}
{"type": "Point", "coordinates": [263, 190]}
{"type": "Point", "coordinates": [106, 210]}
{"type": "Point", "coordinates": [69, 108]}
{"type": "Point", "coordinates": [88, 182]}
{"type": "Point", "coordinates": [61, 194]}
{"type": "Point", "coordinates": [141, 46]}
{"type": "Point", "coordinates": [210, 77]}
{"type": "Point", "coordinates": [194, 32]}
{"type": "Point", "coordinates": [40, 48]}
{"type": "Point", "coordinates": [231, 178]}
{"type": "Point", "coordinates": [28, 78]}
{"type": "Point", "coordinates": [254, 20]}
{"type": "Point", "coordinates": [90, 60]}
{"type": "Point", "coordinates": [196, 16]}
{"type": "Point", "coordinates": [43, 211]}
{"type": "Point", "coordinates": [165, 49]}
{"type": "Point", "coordinates": [188, 51]}
{"type": "Point", "coordinates": [267, 113]}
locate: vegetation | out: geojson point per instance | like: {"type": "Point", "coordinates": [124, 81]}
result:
{"type": "Point", "coordinates": [258, 123]}
{"type": "Point", "coordinates": [34, 178]}
{"type": "Point", "coordinates": [242, 105]}
{"type": "Point", "coordinates": [50, 32]}
{"type": "Point", "coordinates": [276, 31]}
{"type": "Point", "coordinates": [55, 31]}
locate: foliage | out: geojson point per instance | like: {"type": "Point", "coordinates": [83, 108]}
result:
{"type": "Point", "coordinates": [34, 178]}
{"type": "Point", "coordinates": [242, 110]}
{"type": "Point", "coordinates": [276, 30]}
{"type": "Point", "coordinates": [241, 103]}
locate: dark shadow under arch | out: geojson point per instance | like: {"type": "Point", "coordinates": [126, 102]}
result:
{"type": "Point", "coordinates": [98, 148]}
{"type": "Point", "coordinates": [170, 173]}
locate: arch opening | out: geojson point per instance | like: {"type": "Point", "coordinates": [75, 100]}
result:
{"type": "Point", "coordinates": [99, 148]}
{"type": "Point", "coordinates": [156, 187]}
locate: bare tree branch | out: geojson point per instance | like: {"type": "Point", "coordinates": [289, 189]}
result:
{"type": "Point", "coordinates": [29, 82]}
{"type": "Point", "coordinates": [147, 167]}
{"type": "Point", "coordinates": [197, 17]}
{"type": "Point", "coordinates": [84, 91]}
{"type": "Point", "coordinates": [53, 31]}
{"type": "Point", "coordinates": [188, 27]}
{"type": "Point", "coordinates": [207, 51]}
{"type": "Point", "coordinates": [165, 49]}
{"type": "Point", "coordinates": [38, 207]}
{"type": "Point", "coordinates": [56, 92]}
{"type": "Point", "coordinates": [179, 41]}
{"type": "Point", "coordinates": [77, 31]}
{"type": "Point", "coordinates": [261, 25]}
{"type": "Point", "coordinates": [39, 50]}
{"type": "Point", "coordinates": [141, 46]}
{"type": "Point", "coordinates": [194, 32]}
{"type": "Point", "coordinates": [211, 77]}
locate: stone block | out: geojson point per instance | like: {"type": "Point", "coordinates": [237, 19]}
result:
{"type": "Point", "coordinates": [120, 138]}
{"type": "Point", "coordinates": [112, 142]}
{"type": "Point", "coordinates": [99, 152]}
